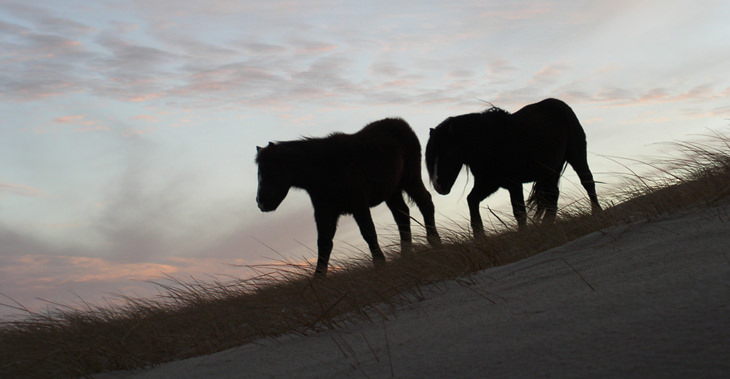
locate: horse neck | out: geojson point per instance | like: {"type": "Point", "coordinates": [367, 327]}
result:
{"type": "Point", "coordinates": [471, 137]}
{"type": "Point", "coordinates": [302, 160]}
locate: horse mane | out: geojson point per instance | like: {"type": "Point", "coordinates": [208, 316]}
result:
{"type": "Point", "coordinates": [305, 148]}
{"type": "Point", "coordinates": [496, 117]}
{"type": "Point", "coordinates": [308, 148]}
{"type": "Point", "coordinates": [493, 110]}
{"type": "Point", "coordinates": [327, 137]}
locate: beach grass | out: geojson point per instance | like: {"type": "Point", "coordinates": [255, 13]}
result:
{"type": "Point", "coordinates": [192, 318]}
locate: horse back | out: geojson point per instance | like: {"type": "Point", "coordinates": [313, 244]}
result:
{"type": "Point", "coordinates": [550, 116]}
{"type": "Point", "coordinates": [375, 161]}
{"type": "Point", "coordinates": [391, 130]}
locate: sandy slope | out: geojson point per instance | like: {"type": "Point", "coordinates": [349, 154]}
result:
{"type": "Point", "coordinates": [652, 300]}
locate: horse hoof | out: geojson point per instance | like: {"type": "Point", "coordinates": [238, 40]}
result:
{"type": "Point", "coordinates": [379, 261]}
{"type": "Point", "coordinates": [434, 241]}
{"type": "Point", "coordinates": [320, 273]}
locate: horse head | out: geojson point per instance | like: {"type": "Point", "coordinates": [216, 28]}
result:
{"type": "Point", "coordinates": [274, 178]}
{"type": "Point", "coordinates": [443, 157]}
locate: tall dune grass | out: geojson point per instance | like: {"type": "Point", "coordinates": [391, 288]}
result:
{"type": "Point", "coordinates": [193, 318]}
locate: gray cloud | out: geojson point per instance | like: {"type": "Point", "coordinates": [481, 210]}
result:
{"type": "Point", "coordinates": [198, 73]}
{"type": "Point", "coordinates": [262, 48]}
{"type": "Point", "coordinates": [15, 243]}
{"type": "Point", "coordinates": [270, 60]}
{"type": "Point", "coordinates": [39, 65]}
{"type": "Point", "coordinates": [387, 69]}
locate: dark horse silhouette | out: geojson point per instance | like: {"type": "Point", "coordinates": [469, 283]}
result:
{"type": "Point", "coordinates": [506, 150]}
{"type": "Point", "coordinates": [348, 174]}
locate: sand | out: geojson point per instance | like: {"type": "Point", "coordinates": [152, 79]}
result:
{"type": "Point", "coordinates": [651, 299]}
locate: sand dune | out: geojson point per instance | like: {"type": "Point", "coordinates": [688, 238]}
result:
{"type": "Point", "coordinates": [650, 299]}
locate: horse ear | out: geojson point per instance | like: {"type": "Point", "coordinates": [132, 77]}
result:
{"type": "Point", "coordinates": [259, 148]}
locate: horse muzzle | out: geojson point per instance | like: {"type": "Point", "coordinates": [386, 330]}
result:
{"type": "Point", "coordinates": [264, 207]}
{"type": "Point", "coordinates": [440, 189]}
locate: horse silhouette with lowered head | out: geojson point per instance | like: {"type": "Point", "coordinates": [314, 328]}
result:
{"type": "Point", "coordinates": [348, 174]}
{"type": "Point", "coordinates": [505, 150]}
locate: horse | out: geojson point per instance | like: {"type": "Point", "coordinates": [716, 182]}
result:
{"type": "Point", "coordinates": [504, 150]}
{"type": "Point", "coordinates": [348, 174]}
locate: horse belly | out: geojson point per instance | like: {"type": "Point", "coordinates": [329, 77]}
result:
{"type": "Point", "coordinates": [541, 157]}
{"type": "Point", "coordinates": [526, 168]}
{"type": "Point", "coordinates": [384, 188]}
{"type": "Point", "coordinates": [385, 181]}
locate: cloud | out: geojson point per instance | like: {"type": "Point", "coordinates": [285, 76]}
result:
{"type": "Point", "coordinates": [19, 189]}
{"type": "Point", "coordinates": [299, 66]}
{"type": "Point", "coordinates": [78, 123]}
{"type": "Point", "coordinates": [18, 244]}
{"type": "Point", "coordinates": [146, 97]}
{"type": "Point", "coordinates": [387, 68]}
{"type": "Point", "coordinates": [74, 119]}
{"type": "Point", "coordinates": [262, 48]}
{"type": "Point", "coordinates": [74, 280]}
{"type": "Point", "coordinates": [549, 74]}
{"type": "Point", "coordinates": [516, 12]}
{"type": "Point", "coordinates": [270, 59]}
{"type": "Point", "coordinates": [619, 97]}
{"type": "Point", "coordinates": [146, 117]}
{"type": "Point", "coordinates": [145, 235]}
{"type": "Point", "coordinates": [40, 61]}
{"type": "Point", "coordinates": [308, 47]}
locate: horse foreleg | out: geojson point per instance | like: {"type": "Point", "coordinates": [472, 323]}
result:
{"type": "Point", "coordinates": [477, 194]}
{"type": "Point", "coordinates": [326, 227]}
{"type": "Point", "coordinates": [517, 198]}
{"type": "Point", "coordinates": [400, 211]}
{"type": "Point", "coordinates": [367, 229]}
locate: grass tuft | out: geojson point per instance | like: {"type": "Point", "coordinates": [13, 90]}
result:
{"type": "Point", "coordinates": [192, 318]}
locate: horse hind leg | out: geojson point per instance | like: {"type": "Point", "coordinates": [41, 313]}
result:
{"type": "Point", "coordinates": [550, 198]}
{"type": "Point", "coordinates": [418, 192]}
{"type": "Point", "coordinates": [402, 217]}
{"type": "Point", "coordinates": [580, 165]}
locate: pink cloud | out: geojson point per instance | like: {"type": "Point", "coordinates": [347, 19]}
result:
{"type": "Point", "coordinates": [549, 74]}
{"type": "Point", "coordinates": [35, 280]}
{"type": "Point", "coordinates": [91, 128]}
{"type": "Point", "coordinates": [146, 97]}
{"type": "Point", "coordinates": [83, 124]}
{"type": "Point", "coordinates": [75, 119]}
{"type": "Point", "coordinates": [39, 269]}
{"type": "Point", "coordinates": [314, 47]}
{"type": "Point", "coordinates": [136, 132]}
{"type": "Point", "coordinates": [19, 189]}
{"type": "Point", "coordinates": [144, 117]}
{"type": "Point", "coordinates": [653, 96]}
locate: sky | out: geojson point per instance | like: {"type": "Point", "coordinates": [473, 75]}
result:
{"type": "Point", "coordinates": [128, 128]}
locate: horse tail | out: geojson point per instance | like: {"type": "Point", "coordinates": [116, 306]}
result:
{"type": "Point", "coordinates": [535, 202]}
{"type": "Point", "coordinates": [541, 194]}
{"type": "Point", "coordinates": [411, 149]}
